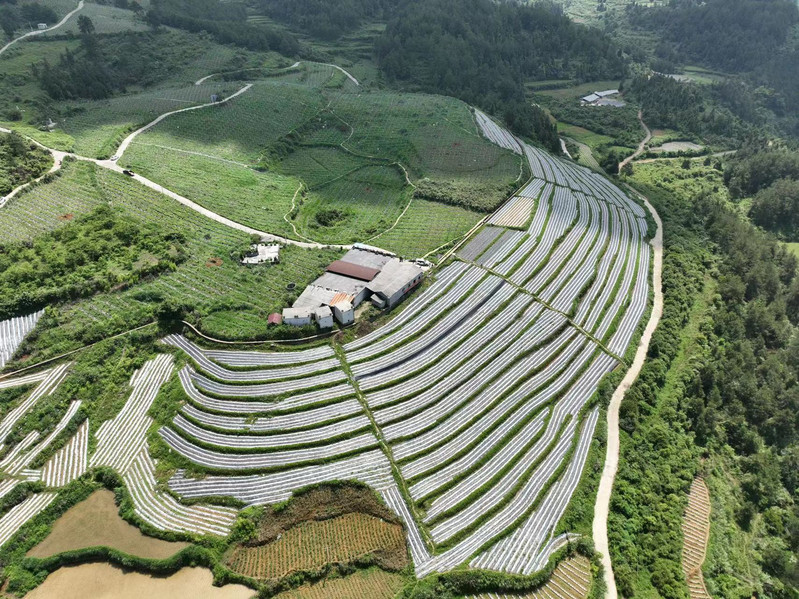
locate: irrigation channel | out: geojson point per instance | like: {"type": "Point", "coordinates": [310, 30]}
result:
{"type": "Point", "coordinates": [472, 412]}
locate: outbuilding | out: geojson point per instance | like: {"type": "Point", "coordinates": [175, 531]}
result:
{"type": "Point", "coordinates": [324, 317]}
{"type": "Point", "coordinates": [394, 282]}
{"type": "Point", "coordinates": [298, 317]}
{"type": "Point", "coordinates": [344, 312]}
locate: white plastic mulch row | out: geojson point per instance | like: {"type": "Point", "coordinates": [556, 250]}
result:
{"type": "Point", "coordinates": [576, 272]}
{"type": "Point", "coordinates": [508, 414]}
{"type": "Point", "coordinates": [276, 390]}
{"type": "Point", "coordinates": [393, 498]}
{"type": "Point", "coordinates": [70, 461]}
{"type": "Point", "coordinates": [371, 467]}
{"type": "Point", "coordinates": [588, 315]}
{"type": "Point", "coordinates": [479, 243]}
{"type": "Point", "coordinates": [13, 332]}
{"type": "Point", "coordinates": [500, 250]}
{"type": "Point", "coordinates": [562, 214]}
{"type": "Point", "coordinates": [495, 133]}
{"type": "Point", "coordinates": [21, 513]}
{"type": "Point", "coordinates": [624, 291]}
{"type": "Point", "coordinates": [264, 461]}
{"type": "Point", "coordinates": [524, 551]}
{"type": "Point", "coordinates": [345, 408]}
{"type": "Point", "coordinates": [264, 442]}
{"type": "Point", "coordinates": [163, 511]}
{"type": "Point", "coordinates": [455, 326]}
{"type": "Point", "coordinates": [49, 384]}
{"type": "Point", "coordinates": [121, 439]}
{"type": "Point", "coordinates": [451, 408]}
{"type": "Point", "coordinates": [514, 213]}
{"type": "Point", "coordinates": [198, 355]}
{"type": "Point", "coordinates": [563, 211]}
{"type": "Point", "coordinates": [28, 379]}
{"type": "Point", "coordinates": [269, 359]}
{"type": "Point", "coordinates": [629, 322]}
{"type": "Point", "coordinates": [21, 460]}
{"type": "Point", "coordinates": [421, 321]}
{"type": "Point", "coordinates": [486, 343]}
{"type": "Point", "coordinates": [446, 277]}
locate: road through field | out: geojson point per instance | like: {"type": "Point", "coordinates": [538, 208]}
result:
{"type": "Point", "coordinates": [41, 31]}
{"type": "Point", "coordinates": [59, 156]}
{"type": "Point", "coordinates": [600, 527]}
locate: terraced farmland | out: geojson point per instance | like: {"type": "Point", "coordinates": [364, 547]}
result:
{"type": "Point", "coordinates": [570, 580]}
{"type": "Point", "coordinates": [472, 411]}
{"type": "Point", "coordinates": [311, 545]}
{"type": "Point", "coordinates": [696, 533]}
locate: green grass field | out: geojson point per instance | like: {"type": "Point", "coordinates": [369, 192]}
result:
{"type": "Point", "coordinates": [793, 248]}
{"type": "Point", "coordinates": [582, 135]}
{"type": "Point", "coordinates": [578, 91]}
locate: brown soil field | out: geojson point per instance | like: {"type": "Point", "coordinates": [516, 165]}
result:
{"type": "Point", "coordinates": [103, 581]}
{"type": "Point", "coordinates": [96, 521]}
{"type": "Point", "coordinates": [312, 544]}
{"type": "Point", "coordinates": [366, 584]}
{"type": "Point", "coordinates": [570, 580]}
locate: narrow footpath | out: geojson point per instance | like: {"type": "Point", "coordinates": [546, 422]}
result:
{"type": "Point", "coordinates": [641, 146]}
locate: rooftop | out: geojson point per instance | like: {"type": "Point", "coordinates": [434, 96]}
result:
{"type": "Point", "coordinates": [340, 283]}
{"type": "Point", "coordinates": [366, 258]}
{"type": "Point", "coordinates": [350, 269]}
{"type": "Point", "coordinates": [394, 277]}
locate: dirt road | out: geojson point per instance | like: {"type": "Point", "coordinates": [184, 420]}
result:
{"type": "Point", "coordinates": [41, 31]}
{"type": "Point", "coordinates": [600, 527]}
{"type": "Point", "coordinates": [641, 146]}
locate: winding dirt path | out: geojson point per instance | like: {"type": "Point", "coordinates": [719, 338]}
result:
{"type": "Point", "coordinates": [602, 507]}
{"type": "Point", "coordinates": [641, 146]}
{"type": "Point", "coordinates": [41, 31]}
{"type": "Point", "coordinates": [127, 141]}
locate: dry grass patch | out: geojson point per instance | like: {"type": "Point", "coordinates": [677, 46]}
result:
{"type": "Point", "coordinates": [96, 522]}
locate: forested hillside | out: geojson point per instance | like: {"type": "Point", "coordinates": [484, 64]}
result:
{"type": "Point", "coordinates": [483, 52]}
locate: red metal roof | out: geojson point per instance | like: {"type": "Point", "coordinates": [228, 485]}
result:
{"type": "Point", "coordinates": [275, 318]}
{"type": "Point", "coordinates": [354, 271]}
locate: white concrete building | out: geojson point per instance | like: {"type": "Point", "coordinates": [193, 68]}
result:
{"type": "Point", "coordinates": [297, 317]}
{"type": "Point", "coordinates": [392, 284]}
{"type": "Point", "coordinates": [324, 317]}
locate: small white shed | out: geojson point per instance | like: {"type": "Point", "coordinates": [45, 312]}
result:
{"type": "Point", "coordinates": [324, 317]}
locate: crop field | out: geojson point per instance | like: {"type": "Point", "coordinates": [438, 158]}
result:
{"type": "Point", "coordinates": [372, 583]}
{"type": "Point", "coordinates": [106, 19]}
{"type": "Point", "coordinates": [311, 545]}
{"type": "Point", "coordinates": [12, 332]}
{"type": "Point", "coordinates": [350, 151]}
{"type": "Point", "coordinates": [570, 580]}
{"type": "Point", "coordinates": [696, 533]}
{"type": "Point", "coordinates": [479, 393]}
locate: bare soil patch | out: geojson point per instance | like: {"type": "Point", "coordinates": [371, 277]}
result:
{"type": "Point", "coordinates": [214, 262]}
{"type": "Point", "coordinates": [96, 522]}
{"type": "Point", "coordinates": [103, 581]}
{"type": "Point", "coordinates": [66, 216]}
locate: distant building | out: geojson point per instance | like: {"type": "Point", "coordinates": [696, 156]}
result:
{"type": "Point", "coordinates": [298, 317]}
{"type": "Point", "coordinates": [42, 26]}
{"type": "Point", "coordinates": [262, 253]}
{"type": "Point", "coordinates": [602, 99]}
{"type": "Point", "coordinates": [394, 282]}
{"type": "Point", "coordinates": [364, 271]}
